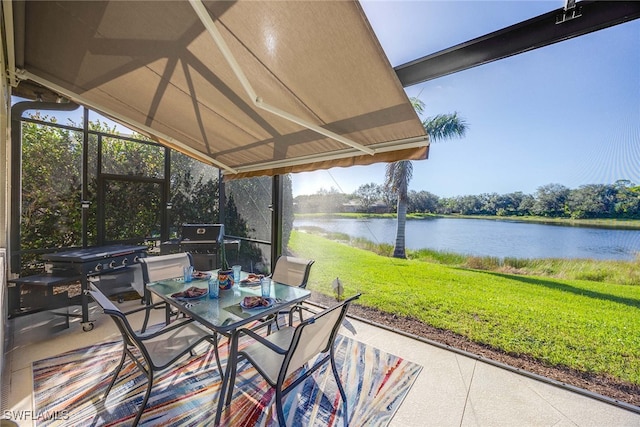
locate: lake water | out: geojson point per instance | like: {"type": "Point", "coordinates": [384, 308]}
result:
{"type": "Point", "coordinates": [492, 238]}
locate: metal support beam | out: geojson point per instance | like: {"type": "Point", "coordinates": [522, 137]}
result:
{"type": "Point", "coordinates": [210, 26]}
{"type": "Point", "coordinates": [277, 210]}
{"type": "Point", "coordinates": [552, 27]}
{"type": "Point", "coordinates": [85, 204]}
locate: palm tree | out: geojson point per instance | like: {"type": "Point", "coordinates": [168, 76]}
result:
{"type": "Point", "coordinates": [399, 174]}
{"type": "Point", "coordinates": [397, 180]}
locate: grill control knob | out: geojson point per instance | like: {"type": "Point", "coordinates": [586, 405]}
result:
{"type": "Point", "coordinates": [125, 261]}
{"type": "Point", "coordinates": [112, 264]}
{"type": "Point", "coordinates": [98, 267]}
{"type": "Point", "coordinates": [136, 258]}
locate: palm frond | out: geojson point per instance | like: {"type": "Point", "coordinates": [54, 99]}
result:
{"type": "Point", "coordinates": [417, 105]}
{"type": "Point", "coordinates": [445, 126]}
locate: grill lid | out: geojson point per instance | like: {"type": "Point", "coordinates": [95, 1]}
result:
{"type": "Point", "coordinates": [202, 232]}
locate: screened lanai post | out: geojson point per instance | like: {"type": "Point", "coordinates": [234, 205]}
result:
{"type": "Point", "coordinates": [276, 218]}
{"type": "Point", "coordinates": [221, 200]}
{"type": "Point", "coordinates": [165, 232]}
{"type": "Point", "coordinates": [85, 177]}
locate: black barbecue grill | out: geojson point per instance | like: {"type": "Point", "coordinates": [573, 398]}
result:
{"type": "Point", "coordinates": [203, 241]}
{"type": "Point", "coordinates": [93, 261]}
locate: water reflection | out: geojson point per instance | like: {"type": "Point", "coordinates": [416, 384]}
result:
{"type": "Point", "coordinates": [492, 238]}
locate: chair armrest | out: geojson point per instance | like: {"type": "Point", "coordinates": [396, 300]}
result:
{"type": "Point", "coordinates": [299, 308]}
{"type": "Point", "coordinates": [169, 328]}
{"type": "Point", "coordinates": [264, 323]}
{"type": "Point", "coordinates": [155, 305]}
{"type": "Point", "coordinates": [262, 340]}
{"type": "Point", "coordinates": [135, 310]}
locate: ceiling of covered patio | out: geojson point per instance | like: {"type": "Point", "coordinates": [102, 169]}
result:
{"type": "Point", "coordinates": [254, 88]}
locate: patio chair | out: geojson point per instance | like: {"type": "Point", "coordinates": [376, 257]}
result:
{"type": "Point", "coordinates": [156, 268]}
{"type": "Point", "coordinates": [279, 355]}
{"type": "Point", "coordinates": [157, 350]}
{"type": "Point", "coordinates": [290, 271]}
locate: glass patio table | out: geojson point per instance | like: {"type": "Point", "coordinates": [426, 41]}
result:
{"type": "Point", "coordinates": [224, 314]}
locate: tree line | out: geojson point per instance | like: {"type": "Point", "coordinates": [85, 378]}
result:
{"type": "Point", "coordinates": [618, 200]}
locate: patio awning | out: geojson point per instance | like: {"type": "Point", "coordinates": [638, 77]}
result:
{"type": "Point", "coordinates": [255, 87]}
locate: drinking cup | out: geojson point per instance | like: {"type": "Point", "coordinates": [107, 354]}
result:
{"type": "Point", "coordinates": [236, 273]}
{"type": "Point", "coordinates": [265, 287]}
{"type": "Point", "coordinates": [214, 288]}
{"type": "Point", "coordinates": [188, 273]}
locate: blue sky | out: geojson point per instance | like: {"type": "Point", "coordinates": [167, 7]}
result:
{"type": "Point", "coordinates": [567, 114]}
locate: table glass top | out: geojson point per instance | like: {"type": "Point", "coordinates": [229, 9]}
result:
{"type": "Point", "coordinates": [225, 313]}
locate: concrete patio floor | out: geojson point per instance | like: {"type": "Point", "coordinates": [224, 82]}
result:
{"type": "Point", "coordinates": [451, 390]}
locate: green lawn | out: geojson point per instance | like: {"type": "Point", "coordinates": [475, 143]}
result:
{"type": "Point", "coordinates": [586, 325]}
